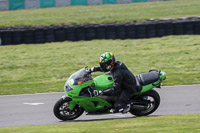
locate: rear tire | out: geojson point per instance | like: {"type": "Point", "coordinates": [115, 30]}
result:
{"type": "Point", "coordinates": [62, 112]}
{"type": "Point", "coordinates": [150, 100]}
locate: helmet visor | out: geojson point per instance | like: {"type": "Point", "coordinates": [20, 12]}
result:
{"type": "Point", "coordinates": [105, 65]}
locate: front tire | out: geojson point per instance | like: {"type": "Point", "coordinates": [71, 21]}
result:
{"type": "Point", "coordinates": [145, 104]}
{"type": "Point", "coordinates": [62, 112]}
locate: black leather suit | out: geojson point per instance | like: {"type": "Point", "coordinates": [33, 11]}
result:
{"type": "Point", "coordinates": [124, 81]}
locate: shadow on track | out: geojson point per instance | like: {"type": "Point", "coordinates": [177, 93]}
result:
{"type": "Point", "coordinates": [105, 119]}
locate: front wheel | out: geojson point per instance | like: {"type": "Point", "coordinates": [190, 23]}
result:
{"type": "Point", "coordinates": [61, 110]}
{"type": "Point", "coordinates": [145, 104]}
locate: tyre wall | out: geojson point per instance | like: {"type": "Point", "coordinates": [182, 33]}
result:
{"type": "Point", "coordinates": [147, 29]}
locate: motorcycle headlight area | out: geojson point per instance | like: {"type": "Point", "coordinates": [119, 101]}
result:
{"type": "Point", "coordinates": [68, 88]}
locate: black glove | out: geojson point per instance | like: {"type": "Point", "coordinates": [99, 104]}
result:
{"type": "Point", "coordinates": [90, 70]}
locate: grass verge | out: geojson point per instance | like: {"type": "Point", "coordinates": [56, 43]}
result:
{"type": "Point", "coordinates": [45, 67]}
{"type": "Point", "coordinates": [100, 13]}
{"type": "Point", "coordinates": [153, 124]}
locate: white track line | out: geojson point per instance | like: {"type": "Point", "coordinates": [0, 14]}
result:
{"type": "Point", "coordinates": [50, 93]}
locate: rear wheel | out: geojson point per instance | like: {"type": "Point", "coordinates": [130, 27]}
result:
{"type": "Point", "coordinates": [145, 104]}
{"type": "Point", "coordinates": [61, 110]}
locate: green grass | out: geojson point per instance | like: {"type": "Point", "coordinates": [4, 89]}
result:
{"type": "Point", "coordinates": [45, 67]}
{"type": "Point", "coordinates": [153, 124]}
{"type": "Point", "coordinates": [100, 13]}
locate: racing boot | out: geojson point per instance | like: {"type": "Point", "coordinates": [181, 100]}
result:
{"type": "Point", "coordinates": [126, 109]}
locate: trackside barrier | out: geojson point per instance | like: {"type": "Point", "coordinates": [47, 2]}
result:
{"type": "Point", "coordinates": [28, 4]}
{"type": "Point", "coordinates": [147, 29]}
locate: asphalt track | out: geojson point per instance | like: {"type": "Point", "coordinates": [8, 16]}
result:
{"type": "Point", "coordinates": [36, 109]}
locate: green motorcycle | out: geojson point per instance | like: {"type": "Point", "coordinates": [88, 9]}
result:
{"type": "Point", "coordinates": [82, 95]}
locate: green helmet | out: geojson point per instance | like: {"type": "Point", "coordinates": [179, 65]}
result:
{"type": "Point", "coordinates": [107, 61]}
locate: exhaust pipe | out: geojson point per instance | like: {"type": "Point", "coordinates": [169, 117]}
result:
{"type": "Point", "coordinates": [139, 107]}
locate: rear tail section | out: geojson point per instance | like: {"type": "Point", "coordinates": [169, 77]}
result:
{"type": "Point", "coordinates": [147, 100]}
{"type": "Point", "coordinates": [147, 81]}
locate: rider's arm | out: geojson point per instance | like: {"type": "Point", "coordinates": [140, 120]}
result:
{"type": "Point", "coordinates": [95, 69]}
{"type": "Point", "coordinates": [116, 86]}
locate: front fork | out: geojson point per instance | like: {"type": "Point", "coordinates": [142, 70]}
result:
{"type": "Point", "coordinates": [72, 104]}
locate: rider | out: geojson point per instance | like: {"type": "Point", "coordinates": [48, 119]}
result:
{"type": "Point", "coordinates": [124, 80]}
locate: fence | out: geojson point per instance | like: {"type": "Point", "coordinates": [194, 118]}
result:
{"type": "Point", "coordinates": [26, 4]}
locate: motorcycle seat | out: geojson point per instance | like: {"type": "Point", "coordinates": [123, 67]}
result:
{"type": "Point", "coordinates": [148, 78]}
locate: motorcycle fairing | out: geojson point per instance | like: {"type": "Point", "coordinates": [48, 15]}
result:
{"type": "Point", "coordinates": [103, 82]}
{"type": "Point", "coordinates": [90, 104]}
